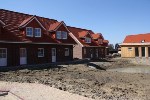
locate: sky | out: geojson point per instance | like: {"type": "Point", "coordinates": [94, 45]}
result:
{"type": "Point", "coordinates": [115, 19]}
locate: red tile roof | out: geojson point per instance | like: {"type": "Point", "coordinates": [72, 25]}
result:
{"type": "Point", "coordinates": [137, 38]}
{"type": "Point", "coordinates": [83, 34]}
{"type": "Point", "coordinates": [54, 26]}
{"type": "Point", "coordinates": [15, 19]}
{"type": "Point", "coordinates": [95, 36]}
{"type": "Point", "coordinates": [26, 20]}
{"type": "Point", "coordinates": [105, 41]}
{"type": "Point", "coordinates": [78, 33]}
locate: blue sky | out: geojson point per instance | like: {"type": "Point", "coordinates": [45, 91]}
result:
{"type": "Point", "coordinates": [113, 18]}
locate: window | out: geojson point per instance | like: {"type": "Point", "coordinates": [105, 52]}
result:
{"type": "Point", "coordinates": [88, 40]}
{"type": "Point", "coordinates": [40, 52]}
{"type": "Point", "coordinates": [3, 53]}
{"type": "Point", "coordinates": [29, 31]}
{"type": "Point", "coordinates": [64, 35]}
{"type": "Point", "coordinates": [22, 52]}
{"type": "Point", "coordinates": [58, 34]}
{"type": "Point", "coordinates": [66, 51]}
{"type": "Point", "coordinates": [61, 35]}
{"type": "Point", "coordinates": [37, 32]}
{"type": "Point", "coordinates": [129, 49]}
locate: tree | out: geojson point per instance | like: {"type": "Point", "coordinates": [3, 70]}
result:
{"type": "Point", "coordinates": [116, 46]}
{"type": "Point", "coordinates": [111, 46]}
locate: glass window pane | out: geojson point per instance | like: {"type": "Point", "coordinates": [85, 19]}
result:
{"type": "Point", "coordinates": [37, 32]}
{"type": "Point", "coordinates": [29, 31]}
{"type": "Point", "coordinates": [58, 34]}
{"type": "Point", "coordinates": [4, 55]}
{"type": "Point", "coordinates": [40, 52]}
{"type": "Point", "coordinates": [64, 35]}
{"type": "Point", "coordinates": [66, 51]}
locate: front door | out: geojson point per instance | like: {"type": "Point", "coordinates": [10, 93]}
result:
{"type": "Point", "coordinates": [23, 56]}
{"type": "Point", "coordinates": [3, 57]}
{"type": "Point", "coordinates": [53, 54]}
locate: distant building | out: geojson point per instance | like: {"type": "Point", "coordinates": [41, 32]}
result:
{"type": "Point", "coordinates": [89, 45]}
{"type": "Point", "coordinates": [136, 46]}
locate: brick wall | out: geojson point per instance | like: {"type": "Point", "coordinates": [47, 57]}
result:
{"type": "Point", "coordinates": [0, 29]}
{"type": "Point", "coordinates": [13, 53]}
{"type": "Point", "coordinates": [77, 51]}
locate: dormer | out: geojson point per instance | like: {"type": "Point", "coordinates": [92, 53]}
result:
{"type": "Point", "coordinates": [59, 30]}
{"type": "Point", "coordinates": [98, 38]}
{"type": "Point", "coordinates": [32, 27]}
{"type": "Point", "coordinates": [85, 36]}
{"type": "Point", "coordinates": [105, 42]}
{"type": "Point", "coordinates": [2, 24]}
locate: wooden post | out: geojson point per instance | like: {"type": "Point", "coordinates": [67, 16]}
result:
{"type": "Point", "coordinates": [140, 52]}
{"type": "Point", "coordinates": [146, 51]}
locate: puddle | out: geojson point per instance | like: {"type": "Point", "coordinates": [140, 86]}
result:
{"type": "Point", "coordinates": [131, 70]}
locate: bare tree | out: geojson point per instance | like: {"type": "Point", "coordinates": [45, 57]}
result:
{"type": "Point", "coordinates": [111, 46]}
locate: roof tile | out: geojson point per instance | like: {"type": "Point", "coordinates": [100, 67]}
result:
{"type": "Point", "coordinates": [15, 19]}
{"type": "Point", "coordinates": [137, 38]}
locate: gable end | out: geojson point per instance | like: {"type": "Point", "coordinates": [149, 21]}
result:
{"type": "Point", "coordinates": [30, 20]}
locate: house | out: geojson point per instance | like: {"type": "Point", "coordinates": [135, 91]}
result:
{"type": "Point", "coordinates": [30, 39]}
{"type": "Point", "coordinates": [89, 45]}
{"type": "Point", "coordinates": [136, 46]}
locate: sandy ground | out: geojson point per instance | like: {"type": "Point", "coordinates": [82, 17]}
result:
{"type": "Point", "coordinates": [35, 91]}
{"type": "Point", "coordinates": [88, 82]}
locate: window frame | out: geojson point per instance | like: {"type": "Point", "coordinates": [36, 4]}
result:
{"type": "Point", "coordinates": [130, 48]}
{"type": "Point", "coordinates": [42, 53]}
{"type": "Point", "coordinates": [35, 33]}
{"type": "Point", "coordinates": [67, 52]}
{"type": "Point", "coordinates": [28, 31]}
{"type": "Point", "coordinates": [2, 54]}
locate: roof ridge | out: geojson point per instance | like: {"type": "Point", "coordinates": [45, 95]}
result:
{"type": "Point", "coordinates": [28, 14]}
{"type": "Point", "coordinates": [138, 34]}
{"type": "Point", "coordinates": [79, 28]}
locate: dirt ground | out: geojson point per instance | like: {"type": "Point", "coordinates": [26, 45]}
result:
{"type": "Point", "coordinates": [89, 82]}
